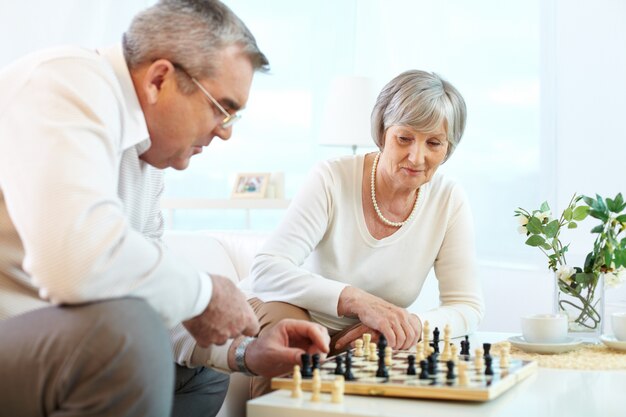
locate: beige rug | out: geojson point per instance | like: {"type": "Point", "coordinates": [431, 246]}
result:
{"type": "Point", "coordinates": [589, 357]}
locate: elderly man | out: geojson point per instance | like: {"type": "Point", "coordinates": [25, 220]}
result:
{"type": "Point", "coordinates": [87, 290]}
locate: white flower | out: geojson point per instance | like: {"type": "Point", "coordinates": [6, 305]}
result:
{"type": "Point", "coordinates": [523, 221]}
{"type": "Point", "coordinates": [616, 278]}
{"type": "Point", "coordinates": [565, 273]}
{"type": "Point", "coordinates": [545, 215]}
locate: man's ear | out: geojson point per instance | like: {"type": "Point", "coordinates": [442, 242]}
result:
{"type": "Point", "coordinates": [154, 78]}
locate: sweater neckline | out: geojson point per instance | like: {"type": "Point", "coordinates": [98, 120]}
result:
{"type": "Point", "coordinates": [359, 213]}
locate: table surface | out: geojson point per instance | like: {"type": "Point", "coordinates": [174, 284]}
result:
{"type": "Point", "coordinates": [549, 392]}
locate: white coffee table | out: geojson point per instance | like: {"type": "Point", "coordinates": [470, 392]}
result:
{"type": "Point", "coordinates": [550, 392]}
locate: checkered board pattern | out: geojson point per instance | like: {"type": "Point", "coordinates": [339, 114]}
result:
{"type": "Point", "coordinates": [480, 387]}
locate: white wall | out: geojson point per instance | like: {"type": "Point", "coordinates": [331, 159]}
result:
{"type": "Point", "coordinates": [583, 136]}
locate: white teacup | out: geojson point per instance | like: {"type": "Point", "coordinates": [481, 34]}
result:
{"type": "Point", "coordinates": [545, 328]}
{"type": "Point", "coordinates": [618, 323]}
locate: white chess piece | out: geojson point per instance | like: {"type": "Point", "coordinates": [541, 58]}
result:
{"type": "Point", "coordinates": [296, 391]}
{"type": "Point", "coordinates": [367, 338]}
{"type": "Point", "coordinates": [388, 354]}
{"type": "Point", "coordinates": [505, 353]}
{"type": "Point", "coordinates": [445, 355]}
{"type": "Point", "coordinates": [426, 336]}
{"type": "Point", "coordinates": [358, 348]}
{"type": "Point", "coordinates": [478, 360]}
{"type": "Point", "coordinates": [316, 386]}
{"type": "Point", "coordinates": [373, 356]}
{"type": "Point", "coordinates": [419, 352]}
{"type": "Point", "coordinates": [463, 377]}
{"type": "Point", "coordinates": [454, 354]}
{"type": "Point", "coordinates": [336, 394]}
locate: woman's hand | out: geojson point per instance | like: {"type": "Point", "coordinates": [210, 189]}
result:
{"type": "Point", "coordinates": [401, 329]}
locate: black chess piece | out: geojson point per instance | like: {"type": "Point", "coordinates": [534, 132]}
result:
{"type": "Point", "coordinates": [339, 369]}
{"type": "Point", "coordinates": [467, 346]}
{"type": "Point", "coordinates": [424, 369]}
{"type": "Point", "coordinates": [316, 361]}
{"type": "Point", "coordinates": [382, 344]}
{"type": "Point", "coordinates": [307, 371]}
{"type": "Point", "coordinates": [487, 349]}
{"type": "Point", "coordinates": [410, 370]}
{"type": "Point", "coordinates": [450, 375]}
{"type": "Point", "coordinates": [435, 343]}
{"type": "Point", "coordinates": [488, 368]}
{"type": "Point", "coordinates": [382, 371]}
{"type": "Point", "coordinates": [462, 352]}
{"type": "Point", "coordinates": [433, 359]}
{"type": "Point", "coordinates": [348, 375]}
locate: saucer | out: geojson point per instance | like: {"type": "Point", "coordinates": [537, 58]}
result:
{"type": "Point", "coordinates": [613, 343]}
{"type": "Point", "coordinates": [569, 344]}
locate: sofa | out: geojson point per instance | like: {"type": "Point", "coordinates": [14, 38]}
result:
{"type": "Point", "coordinates": [228, 253]}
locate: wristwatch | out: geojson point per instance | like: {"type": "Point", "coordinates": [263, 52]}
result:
{"type": "Point", "coordinates": [240, 356]}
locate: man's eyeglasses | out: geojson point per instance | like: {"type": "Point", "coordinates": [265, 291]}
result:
{"type": "Point", "coordinates": [229, 119]}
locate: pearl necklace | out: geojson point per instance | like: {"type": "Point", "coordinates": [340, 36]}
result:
{"type": "Point", "coordinates": [380, 215]}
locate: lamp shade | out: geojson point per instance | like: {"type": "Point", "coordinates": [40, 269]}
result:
{"type": "Point", "coordinates": [346, 115]}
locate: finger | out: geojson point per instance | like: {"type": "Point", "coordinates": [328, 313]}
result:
{"type": "Point", "coordinates": [409, 334]}
{"type": "Point", "coordinates": [316, 334]}
{"type": "Point", "coordinates": [349, 337]}
{"type": "Point", "coordinates": [389, 334]}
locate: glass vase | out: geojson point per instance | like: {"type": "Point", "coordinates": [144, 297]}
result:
{"type": "Point", "coordinates": [582, 300]}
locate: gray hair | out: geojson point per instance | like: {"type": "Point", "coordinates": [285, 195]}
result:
{"type": "Point", "coordinates": [190, 34]}
{"type": "Point", "coordinates": [420, 100]}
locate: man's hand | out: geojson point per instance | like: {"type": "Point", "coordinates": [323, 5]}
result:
{"type": "Point", "coordinates": [401, 329]}
{"type": "Point", "coordinates": [278, 349]}
{"type": "Point", "coordinates": [228, 315]}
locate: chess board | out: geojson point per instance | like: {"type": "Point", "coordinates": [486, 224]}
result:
{"type": "Point", "coordinates": [480, 387]}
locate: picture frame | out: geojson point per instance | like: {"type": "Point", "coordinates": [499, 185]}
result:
{"type": "Point", "coordinates": [251, 185]}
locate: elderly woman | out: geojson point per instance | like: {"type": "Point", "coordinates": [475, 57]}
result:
{"type": "Point", "coordinates": [359, 240]}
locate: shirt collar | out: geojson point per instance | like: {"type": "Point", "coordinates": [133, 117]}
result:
{"type": "Point", "coordinates": [135, 129]}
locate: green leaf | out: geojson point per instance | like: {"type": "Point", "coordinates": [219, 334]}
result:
{"type": "Point", "coordinates": [610, 205]}
{"type": "Point", "coordinates": [546, 246]}
{"type": "Point", "coordinates": [567, 214]}
{"type": "Point", "coordinates": [572, 225]}
{"type": "Point", "coordinates": [534, 226]}
{"type": "Point", "coordinates": [551, 229]}
{"type": "Point", "coordinates": [598, 214]}
{"type": "Point", "coordinates": [589, 261]}
{"type": "Point", "coordinates": [621, 218]}
{"type": "Point", "coordinates": [598, 229]}
{"type": "Point", "coordinates": [544, 207]}
{"type": "Point", "coordinates": [535, 241]}
{"type": "Point", "coordinates": [589, 201]}
{"type": "Point", "coordinates": [585, 278]}
{"type": "Point", "coordinates": [620, 258]}
{"type": "Point", "coordinates": [580, 213]}
{"type": "Point", "coordinates": [619, 202]}
{"type": "Point", "coordinates": [601, 204]}
{"type": "Point", "coordinates": [608, 258]}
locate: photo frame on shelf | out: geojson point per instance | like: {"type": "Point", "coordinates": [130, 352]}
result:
{"type": "Point", "coordinates": [251, 185]}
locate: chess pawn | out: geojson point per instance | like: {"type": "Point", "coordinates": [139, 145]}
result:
{"type": "Point", "coordinates": [316, 386]}
{"type": "Point", "coordinates": [463, 376]}
{"type": "Point", "coordinates": [372, 352]}
{"type": "Point", "coordinates": [478, 359]}
{"type": "Point", "coordinates": [419, 352]}
{"type": "Point", "coordinates": [454, 354]}
{"type": "Point", "coordinates": [388, 354]}
{"type": "Point", "coordinates": [336, 393]}
{"type": "Point", "coordinates": [358, 350]}
{"type": "Point", "coordinates": [504, 357]}
{"type": "Point", "coordinates": [296, 391]}
{"type": "Point", "coordinates": [367, 338]}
